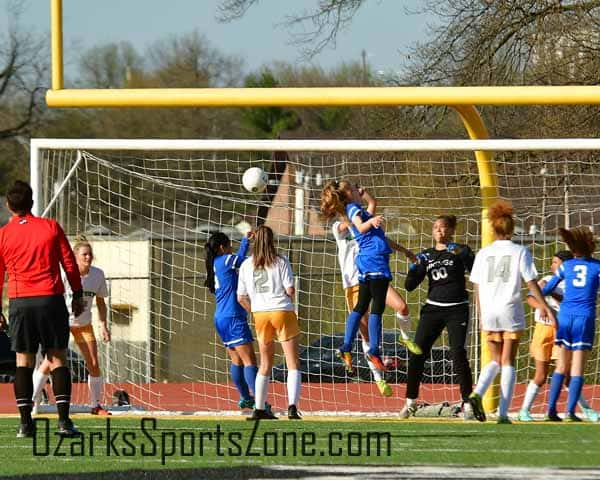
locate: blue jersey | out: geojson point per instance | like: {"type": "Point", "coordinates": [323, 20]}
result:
{"type": "Point", "coordinates": [226, 282]}
{"type": "Point", "coordinates": [373, 241]}
{"type": "Point", "coordinates": [582, 279]}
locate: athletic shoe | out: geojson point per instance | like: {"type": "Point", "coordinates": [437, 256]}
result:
{"type": "Point", "coordinates": [408, 410]}
{"type": "Point", "coordinates": [384, 388]}
{"type": "Point", "coordinates": [410, 345]}
{"type": "Point", "coordinates": [524, 416]}
{"type": "Point", "coordinates": [376, 361]}
{"type": "Point", "coordinates": [246, 403]}
{"type": "Point", "coordinates": [591, 414]}
{"type": "Point", "coordinates": [503, 421]}
{"type": "Point", "coordinates": [571, 417]}
{"type": "Point", "coordinates": [552, 417]}
{"type": "Point", "coordinates": [67, 429]}
{"type": "Point", "coordinates": [26, 430]}
{"type": "Point", "coordinates": [477, 406]}
{"type": "Point", "coordinates": [346, 358]}
{"type": "Point", "coordinates": [99, 410]}
{"type": "Point", "coordinates": [293, 413]}
{"type": "Point", "coordinates": [262, 415]}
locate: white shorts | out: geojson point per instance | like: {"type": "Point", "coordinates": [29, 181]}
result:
{"type": "Point", "coordinates": [505, 318]}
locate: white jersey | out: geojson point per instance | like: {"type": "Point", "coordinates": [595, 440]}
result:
{"type": "Point", "coordinates": [266, 287]}
{"type": "Point", "coordinates": [498, 270]}
{"type": "Point", "coordinates": [550, 300]}
{"type": "Point", "coordinates": [347, 251]}
{"type": "Point", "coordinates": [94, 284]}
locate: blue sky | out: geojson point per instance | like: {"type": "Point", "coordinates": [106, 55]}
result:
{"type": "Point", "coordinates": [382, 28]}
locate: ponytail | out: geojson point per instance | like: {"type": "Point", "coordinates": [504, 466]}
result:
{"type": "Point", "coordinates": [334, 199]}
{"type": "Point", "coordinates": [211, 250]}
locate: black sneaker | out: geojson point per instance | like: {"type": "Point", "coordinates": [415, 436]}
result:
{"type": "Point", "coordinates": [293, 413]}
{"type": "Point", "coordinates": [552, 417]}
{"type": "Point", "coordinates": [67, 429]}
{"type": "Point", "coordinates": [262, 415]}
{"type": "Point", "coordinates": [26, 430]}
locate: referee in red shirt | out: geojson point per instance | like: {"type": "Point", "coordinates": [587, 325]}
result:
{"type": "Point", "coordinates": [32, 249]}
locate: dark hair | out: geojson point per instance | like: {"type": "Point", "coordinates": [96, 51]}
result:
{"type": "Point", "coordinates": [449, 220]}
{"type": "Point", "coordinates": [20, 198]}
{"type": "Point", "coordinates": [580, 240]}
{"type": "Point", "coordinates": [211, 248]}
{"type": "Point", "coordinates": [564, 255]}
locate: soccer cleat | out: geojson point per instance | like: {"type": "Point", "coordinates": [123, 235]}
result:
{"type": "Point", "coordinates": [410, 345]}
{"type": "Point", "coordinates": [571, 417]}
{"type": "Point", "coordinates": [293, 413]}
{"type": "Point", "coordinates": [477, 406]}
{"type": "Point", "coordinates": [591, 414]}
{"type": "Point", "coordinates": [67, 429]}
{"type": "Point", "coordinates": [26, 430]}
{"type": "Point", "coordinates": [262, 415]}
{"type": "Point", "coordinates": [503, 420]}
{"type": "Point", "coordinates": [552, 417]}
{"type": "Point", "coordinates": [384, 388]}
{"type": "Point", "coordinates": [246, 403]}
{"type": "Point", "coordinates": [101, 411]}
{"type": "Point", "coordinates": [346, 358]}
{"type": "Point", "coordinates": [376, 361]}
{"type": "Point", "coordinates": [408, 410]}
{"type": "Point", "coordinates": [524, 416]}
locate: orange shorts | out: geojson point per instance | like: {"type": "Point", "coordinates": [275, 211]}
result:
{"type": "Point", "coordinates": [351, 296]}
{"type": "Point", "coordinates": [284, 323]}
{"type": "Point", "coordinates": [499, 337]}
{"type": "Point", "coordinates": [542, 346]}
{"type": "Point", "coordinates": [83, 334]}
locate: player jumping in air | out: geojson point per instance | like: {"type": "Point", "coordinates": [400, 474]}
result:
{"type": "Point", "coordinates": [496, 275]}
{"type": "Point", "coordinates": [447, 306]}
{"type": "Point", "coordinates": [542, 347]}
{"type": "Point", "coordinates": [576, 318]}
{"type": "Point", "coordinates": [343, 200]}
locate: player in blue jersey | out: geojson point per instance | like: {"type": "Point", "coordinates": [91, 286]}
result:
{"type": "Point", "coordinates": [343, 200]}
{"type": "Point", "coordinates": [230, 317]}
{"type": "Point", "coordinates": [576, 318]}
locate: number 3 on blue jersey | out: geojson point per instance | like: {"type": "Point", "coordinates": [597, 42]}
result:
{"type": "Point", "coordinates": [580, 275]}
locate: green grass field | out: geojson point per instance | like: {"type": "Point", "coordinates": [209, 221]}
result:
{"type": "Point", "coordinates": [170, 445]}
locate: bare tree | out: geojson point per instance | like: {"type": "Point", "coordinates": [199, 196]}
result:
{"type": "Point", "coordinates": [23, 70]}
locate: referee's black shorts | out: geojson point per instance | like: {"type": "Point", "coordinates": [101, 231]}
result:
{"type": "Point", "coordinates": [35, 321]}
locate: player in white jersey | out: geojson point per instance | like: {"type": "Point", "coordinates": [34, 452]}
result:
{"type": "Point", "coordinates": [266, 288]}
{"type": "Point", "coordinates": [542, 348]}
{"type": "Point", "coordinates": [94, 285]}
{"type": "Point", "coordinates": [347, 252]}
{"type": "Point", "coordinates": [496, 276]}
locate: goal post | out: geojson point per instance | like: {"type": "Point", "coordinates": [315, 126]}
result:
{"type": "Point", "coordinates": [148, 206]}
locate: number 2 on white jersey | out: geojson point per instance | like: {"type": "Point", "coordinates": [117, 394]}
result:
{"type": "Point", "coordinates": [580, 275]}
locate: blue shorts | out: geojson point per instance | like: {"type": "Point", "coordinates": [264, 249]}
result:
{"type": "Point", "coordinates": [234, 331]}
{"type": "Point", "coordinates": [373, 266]}
{"type": "Point", "coordinates": [575, 332]}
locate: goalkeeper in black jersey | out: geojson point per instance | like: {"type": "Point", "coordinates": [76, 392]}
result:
{"type": "Point", "coordinates": [447, 306]}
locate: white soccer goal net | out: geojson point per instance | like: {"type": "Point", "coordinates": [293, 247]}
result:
{"type": "Point", "coordinates": [148, 207]}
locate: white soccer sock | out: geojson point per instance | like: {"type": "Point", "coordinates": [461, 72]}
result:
{"type": "Point", "coordinates": [508, 376]}
{"type": "Point", "coordinates": [410, 402]}
{"type": "Point", "coordinates": [583, 403]}
{"type": "Point", "coordinates": [376, 373]}
{"type": "Point", "coordinates": [530, 394]}
{"type": "Point", "coordinates": [96, 387]}
{"type": "Point", "coordinates": [486, 377]}
{"type": "Point", "coordinates": [261, 389]}
{"type": "Point", "coordinates": [294, 380]}
{"type": "Point", "coordinates": [39, 382]}
{"type": "Point", "coordinates": [404, 324]}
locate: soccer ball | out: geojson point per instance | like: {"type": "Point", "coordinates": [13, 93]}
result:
{"type": "Point", "coordinates": [255, 180]}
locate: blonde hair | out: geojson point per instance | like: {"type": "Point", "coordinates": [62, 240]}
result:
{"type": "Point", "coordinates": [334, 199]}
{"type": "Point", "coordinates": [80, 242]}
{"type": "Point", "coordinates": [580, 240]}
{"type": "Point", "coordinates": [500, 216]}
{"type": "Point", "coordinates": [264, 253]}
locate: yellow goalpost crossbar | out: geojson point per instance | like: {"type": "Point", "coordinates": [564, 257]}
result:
{"type": "Point", "coordinates": [462, 99]}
